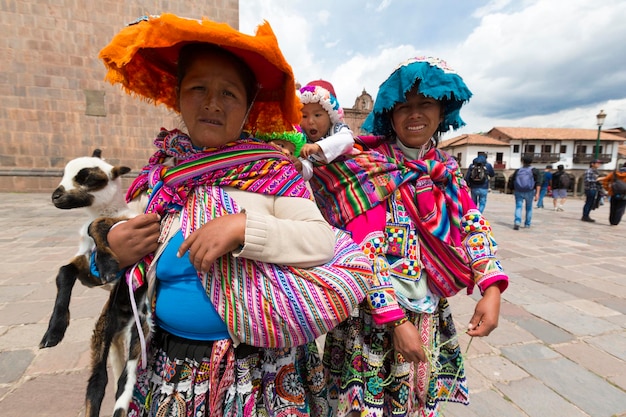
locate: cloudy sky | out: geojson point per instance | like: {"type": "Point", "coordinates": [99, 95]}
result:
{"type": "Point", "coordinates": [529, 63]}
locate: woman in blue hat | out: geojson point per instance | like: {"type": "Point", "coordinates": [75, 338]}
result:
{"type": "Point", "coordinates": [406, 203]}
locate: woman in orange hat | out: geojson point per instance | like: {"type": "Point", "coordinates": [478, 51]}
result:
{"type": "Point", "coordinates": [222, 205]}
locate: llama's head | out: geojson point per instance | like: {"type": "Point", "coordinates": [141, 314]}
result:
{"type": "Point", "coordinates": [90, 181]}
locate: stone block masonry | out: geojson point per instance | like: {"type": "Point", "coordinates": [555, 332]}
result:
{"type": "Point", "coordinates": [56, 105]}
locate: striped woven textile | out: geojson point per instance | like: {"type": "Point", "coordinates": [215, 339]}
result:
{"type": "Point", "coordinates": [278, 305]}
{"type": "Point", "coordinates": [431, 191]}
{"type": "Point", "coordinates": [264, 304]}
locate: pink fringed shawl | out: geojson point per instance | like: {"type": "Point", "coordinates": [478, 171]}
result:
{"type": "Point", "coordinates": [430, 190]}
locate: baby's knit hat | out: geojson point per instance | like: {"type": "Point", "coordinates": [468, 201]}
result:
{"type": "Point", "coordinates": [295, 137]}
{"type": "Point", "coordinates": [322, 92]}
{"type": "Point", "coordinates": [324, 84]}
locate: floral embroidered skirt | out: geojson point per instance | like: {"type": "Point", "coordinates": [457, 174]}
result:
{"type": "Point", "coordinates": [195, 379]}
{"type": "Point", "coordinates": [366, 375]}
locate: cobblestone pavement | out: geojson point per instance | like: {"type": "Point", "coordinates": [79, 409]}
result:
{"type": "Point", "coordinates": [560, 348]}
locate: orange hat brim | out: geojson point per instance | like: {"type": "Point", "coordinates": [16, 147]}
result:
{"type": "Point", "coordinates": [143, 57]}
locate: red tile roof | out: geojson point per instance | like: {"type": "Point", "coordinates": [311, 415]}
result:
{"type": "Point", "coordinates": [472, 139]}
{"type": "Point", "coordinates": [537, 133]}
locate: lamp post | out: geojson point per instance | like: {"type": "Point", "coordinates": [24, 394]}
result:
{"type": "Point", "coordinates": [600, 120]}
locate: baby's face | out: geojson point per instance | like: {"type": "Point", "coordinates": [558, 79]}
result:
{"type": "Point", "coordinates": [315, 121]}
{"type": "Point", "coordinates": [287, 147]}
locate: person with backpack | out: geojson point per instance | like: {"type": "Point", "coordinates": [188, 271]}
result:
{"type": "Point", "coordinates": [525, 185]}
{"type": "Point", "coordinates": [546, 182]}
{"type": "Point", "coordinates": [477, 178]}
{"type": "Point", "coordinates": [561, 182]}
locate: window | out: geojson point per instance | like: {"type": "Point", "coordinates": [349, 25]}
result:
{"type": "Point", "coordinates": [515, 148]}
{"type": "Point", "coordinates": [563, 149]}
{"type": "Point", "coordinates": [546, 148]}
{"type": "Point", "coordinates": [530, 148]}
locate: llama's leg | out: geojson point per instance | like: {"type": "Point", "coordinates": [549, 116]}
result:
{"type": "Point", "coordinates": [117, 356]}
{"type": "Point", "coordinates": [126, 383]}
{"type": "Point", "coordinates": [60, 318]}
{"type": "Point", "coordinates": [107, 326]}
{"type": "Point", "coordinates": [78, 268]}
{"type": "Point", "coordinates": [106, 261]}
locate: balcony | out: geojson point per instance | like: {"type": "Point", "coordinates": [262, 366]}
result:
{"type": "Point", "coordinates": [585, 158]}
{"type": "Point", "coordinates": [499, 165]}
{"type": "Point", "coordinates": [545, 158]}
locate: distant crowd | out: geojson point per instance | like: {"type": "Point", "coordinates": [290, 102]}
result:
{"type": "Point", "coordinates": [529, 184]}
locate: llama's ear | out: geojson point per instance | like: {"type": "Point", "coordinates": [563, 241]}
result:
{"type": "Point", "coordinates": [97, 153]}
{"type": "Point", "coordinates": [119, 171]}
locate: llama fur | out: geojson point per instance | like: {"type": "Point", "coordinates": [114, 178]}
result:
{"type": "Point", "coordinates": [95, 185]}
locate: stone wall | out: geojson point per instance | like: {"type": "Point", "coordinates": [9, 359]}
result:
{"type": "Point", "coordinates": [55, 103]}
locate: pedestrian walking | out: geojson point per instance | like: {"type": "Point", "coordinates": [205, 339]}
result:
{"type": "Point", "coordinates": [592, 189]}
{"type": "Point", "coordinates": [561, 181]}
{"type": "Point", "coordinates": [477, 178]}
{"type": "Point", "coordinates": [615, 183]}
{"type": "Point", "coordinates": [525, 185]}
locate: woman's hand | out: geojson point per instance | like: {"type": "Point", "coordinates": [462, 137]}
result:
{"type": "Point", "coordinates": [486, 313]}
{"type": "Point", "coordinates": [407, 341]}
{"type": "Point", "coordinates": [132, 240]}
{"type": "Point", "coordinates": [216, 238]}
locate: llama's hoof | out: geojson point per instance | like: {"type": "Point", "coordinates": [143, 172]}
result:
{"type": "Point", "coordinates": [109, 278]}
{"type": "Point", "coordinates": [50, 339]}
{"type": "Point", "coordinates": [53, 336]}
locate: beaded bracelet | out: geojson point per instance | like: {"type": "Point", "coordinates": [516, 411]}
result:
{"type": "Point", "coordinates": [398, 322]}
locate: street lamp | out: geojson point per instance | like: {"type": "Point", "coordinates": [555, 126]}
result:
{"type": "Point", "coordinates": [600, 120]}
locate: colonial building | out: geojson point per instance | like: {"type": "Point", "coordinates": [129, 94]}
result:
{"type": "Point", "coordinates": [355, 116]}
{"type": "Point", "coordinates": [505, 147]}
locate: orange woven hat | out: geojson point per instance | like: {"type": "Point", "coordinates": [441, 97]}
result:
{"type": "Point", "coordinates": [143, 57]}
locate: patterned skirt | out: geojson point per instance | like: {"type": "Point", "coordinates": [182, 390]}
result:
{"type": "Point", "coordinates": [187, 378]}
{"type": "Point", "coordinates": [366, 375]}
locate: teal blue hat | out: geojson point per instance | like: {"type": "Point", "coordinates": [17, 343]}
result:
{"type": "Point", "coordinates": [434, 79]}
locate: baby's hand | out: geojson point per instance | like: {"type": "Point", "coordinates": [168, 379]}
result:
{"type": "Point", "coordinates": [310, 149]}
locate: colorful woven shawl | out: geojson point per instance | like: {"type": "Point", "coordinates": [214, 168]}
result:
{"type": "Point", "coordinates": [264, 304]}
{"type": "Point", "coordinates": [430, 190]}
{"type": "Point", "coordinates": [369, 178]}
{"type": "Point", "coordinates": [247, 164]}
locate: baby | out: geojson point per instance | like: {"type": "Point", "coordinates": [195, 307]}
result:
{"type": "Point", "coordinates": [327, 136]}
{"type": "Point", "coordinates": [290, 143]}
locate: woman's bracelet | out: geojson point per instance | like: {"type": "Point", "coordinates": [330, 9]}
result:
{"type": "Point", "coordinates": [397, 323]}
{"type": "Point", "coordinates": [117, 224]}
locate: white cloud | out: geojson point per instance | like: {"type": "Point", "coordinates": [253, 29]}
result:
{"type": "Point", "coordinates": [531, 62]}
{"type": "Point", "coordinates": [491, 7]}
{"type": "Point", "coordinates": [383, 5]}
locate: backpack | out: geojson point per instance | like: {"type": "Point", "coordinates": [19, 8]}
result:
{"type": "Point", "coordinates": [478, 173]}
{"type": "Point", "coordinates": [619, 187]}
{"type": "Point", "coordinates": [564, 180]}
{"type": "Point", "coordinates": [524, 179]}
